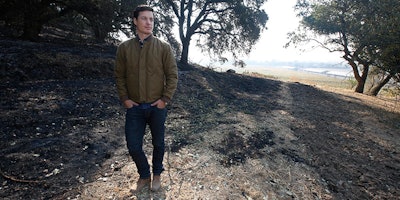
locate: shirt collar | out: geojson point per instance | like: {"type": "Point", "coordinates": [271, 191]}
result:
{"type": "Point", "coordinates": [145, 40]}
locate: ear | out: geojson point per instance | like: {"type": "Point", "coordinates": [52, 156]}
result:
{"type": "Point", "coordinates": [135, 21]}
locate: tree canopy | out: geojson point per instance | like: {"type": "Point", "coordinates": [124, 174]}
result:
{"type": "Point", "coordinates": [26, 19]}
{"type": "Point", "coordinates": [217, 26]}
{"type": "Point", "coordinates": [366, 32]}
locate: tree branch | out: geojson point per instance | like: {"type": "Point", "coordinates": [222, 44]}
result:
{"type": "Point", "coordinates": [16, 179]}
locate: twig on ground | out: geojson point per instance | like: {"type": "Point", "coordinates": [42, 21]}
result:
{"type": "Point", "coordinates": [17, 179]}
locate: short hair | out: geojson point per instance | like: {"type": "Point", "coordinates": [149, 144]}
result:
{"type": "Point", "coordinates": [141, 8]}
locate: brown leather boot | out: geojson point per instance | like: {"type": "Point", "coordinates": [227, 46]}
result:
{"type": "Point", "coordinates": [142, 183]}
{"type": "Point", "coordinates": [156, 183]}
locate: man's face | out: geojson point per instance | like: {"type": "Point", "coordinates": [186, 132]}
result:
{"type": "Point", "coordinates": [144, 23]}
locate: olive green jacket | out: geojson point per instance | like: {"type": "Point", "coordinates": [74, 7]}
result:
{"type": "Point", "coordinates": [145, 74]}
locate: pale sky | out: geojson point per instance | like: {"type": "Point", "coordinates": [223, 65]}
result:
{"type": "Point", "coordinates": [282, 19]}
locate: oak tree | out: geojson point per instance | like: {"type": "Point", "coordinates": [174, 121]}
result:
{"type": "Point", "coordinates": [365, 32]}
{"type": "Point", "coordinates": [216, 26]}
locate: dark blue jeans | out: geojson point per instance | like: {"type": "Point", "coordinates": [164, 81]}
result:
{"type": "Point", "coordinates": [137, 118]}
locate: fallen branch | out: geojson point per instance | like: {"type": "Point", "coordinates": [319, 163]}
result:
{"type": "Point", "coordinates": [17, 179]}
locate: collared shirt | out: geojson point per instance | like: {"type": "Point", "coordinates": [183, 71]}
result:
{"type": "Point", "coordinates": [141, 42]}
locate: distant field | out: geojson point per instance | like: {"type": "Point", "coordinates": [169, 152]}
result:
{"type": "Point", "coordinates": [327, 82]}
{"type": "Point", "coordinates": [309, 78]}
{"type": "Point", "coordinates": [336, 84]}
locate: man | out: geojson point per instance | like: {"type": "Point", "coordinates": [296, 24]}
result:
{"type": "Point", "coordinates": [146, 77]}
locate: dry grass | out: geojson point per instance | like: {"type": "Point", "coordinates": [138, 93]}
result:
{"type": "Point", "coordinates": [340, 85]}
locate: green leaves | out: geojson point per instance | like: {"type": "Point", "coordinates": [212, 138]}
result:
{"type": "Point", "coordinates": [367, 32]}
{"type": "Point", "coordinates": [101, 17]}
{"type": "Point", "coordinates": [217, 26]}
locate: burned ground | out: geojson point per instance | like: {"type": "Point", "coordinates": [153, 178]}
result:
{"type": "Point", "coordinates": [229, 136]}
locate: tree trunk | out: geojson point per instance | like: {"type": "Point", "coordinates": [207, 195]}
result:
{"type": "Point", "coordinates": [360, 86]}
{"type": "Point", "coordinates": [32, 24]}
{"type": "Point", "coordinates": [32, 29]}
{"type": "Point", "coordinates": [99, 34]}
{"type": "Point", "coordinates": [184, 65]}
{"type": "Point", "coordinates": [375, 90]}
{"type": "Point", "coordinates": [361, 80]}
{"type": "Point", "coordinates": [185, 53]}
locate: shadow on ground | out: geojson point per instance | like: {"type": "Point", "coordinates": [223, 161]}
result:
{"type": "Point", "coordinates": [60, 134]}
